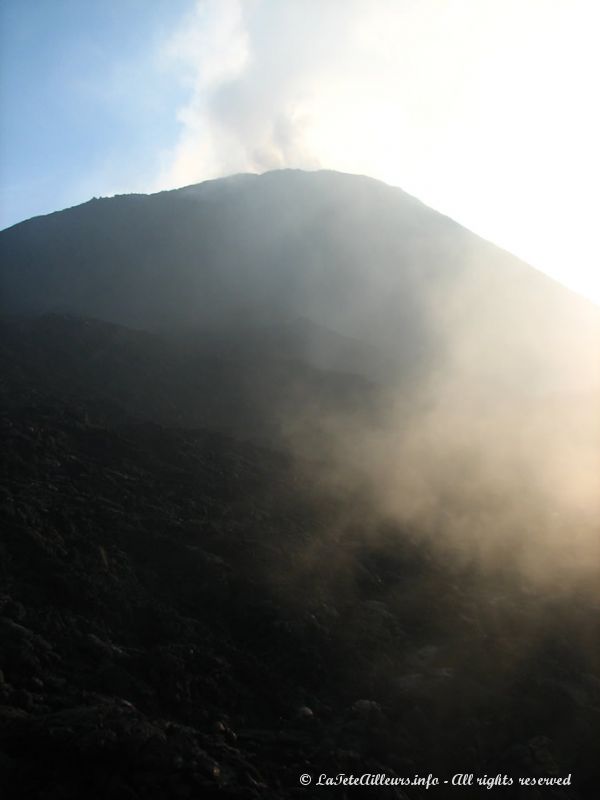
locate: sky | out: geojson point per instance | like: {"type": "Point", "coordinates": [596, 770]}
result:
{"type": "Point", "coordinates": [486, 110]}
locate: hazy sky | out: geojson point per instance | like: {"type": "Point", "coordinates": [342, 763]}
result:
{"type": "Point", "coordinates": [485, 109]}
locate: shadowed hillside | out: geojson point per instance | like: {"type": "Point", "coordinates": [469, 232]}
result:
{"type": "Point", "coordinates": [298, 477]}
{"type": "Point", "coordinates": [351, 254]}
{"type": "Point", "coordinates": [251, 386]}
{"type": "Point", "coordinates": [176, 618]}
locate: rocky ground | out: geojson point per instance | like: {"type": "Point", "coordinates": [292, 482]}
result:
{"type": "Point", "coordinates": [183, 615]}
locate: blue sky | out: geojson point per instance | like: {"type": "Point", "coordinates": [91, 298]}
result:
{"type": "Point", "coordinates": [86, 108]}
{"type": "Point", "coordinates": [484, 109]}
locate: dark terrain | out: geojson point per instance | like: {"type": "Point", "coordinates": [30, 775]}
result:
{"type": "Point", "coordinates": [188, 607]}
{"type": "Point", "coordinates": [164, 632]}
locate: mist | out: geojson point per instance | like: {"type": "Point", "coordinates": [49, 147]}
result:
{"type": "Point", "coordinates": [420, 95]}
{"type": "Point", "coordinates": [299, 425]}
{"type": "Point", "coordinates": [448, 382]}
{"type": "Point", "coordinates": [491, 452]}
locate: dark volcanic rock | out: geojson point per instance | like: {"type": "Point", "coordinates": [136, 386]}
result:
{"type": "Point", "coordinates": [160, 637]}
{"type": "Point", "coordinates": [186, 610]}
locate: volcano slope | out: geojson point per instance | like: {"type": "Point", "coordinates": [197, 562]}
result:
{"type": "Point", "coordinates": [214, 579]}
{"type": "Point", "coordinates": [177, 620]}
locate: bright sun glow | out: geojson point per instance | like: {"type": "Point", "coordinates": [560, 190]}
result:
{"type": "Point", "coordinates": [484, 109]}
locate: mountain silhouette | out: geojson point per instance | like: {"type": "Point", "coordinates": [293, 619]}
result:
{"type": "Point", "coordinates": [298, 477]}
{"type": "Point", "coordinates": [346, 252]}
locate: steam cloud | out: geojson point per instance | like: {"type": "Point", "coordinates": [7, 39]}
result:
{"type": "Point", "coordinates": [493, 454]}
{"type": "Point", "coordinates": [310, 84]}
{"type": "Point", "coordinates": [418, 94]}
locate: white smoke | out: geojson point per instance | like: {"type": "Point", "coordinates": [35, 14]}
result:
{"type": "Point", "coordinates": [465, 104]}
